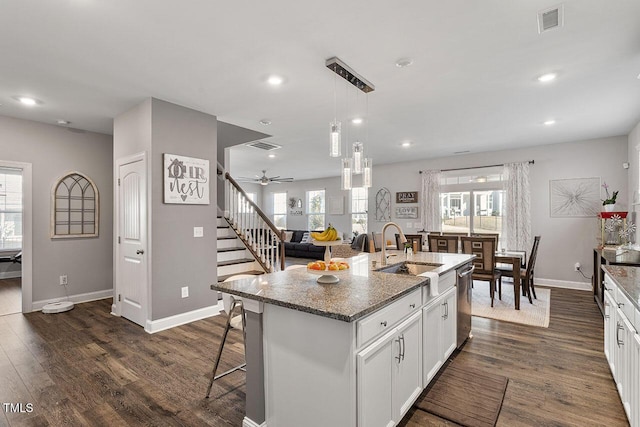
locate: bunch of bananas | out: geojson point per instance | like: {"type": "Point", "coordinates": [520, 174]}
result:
{"type": "Point", "coordinates": [328, 235]}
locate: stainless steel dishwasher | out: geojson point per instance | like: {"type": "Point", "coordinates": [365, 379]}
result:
{"type": "Point", "coordinates": [463, 282]}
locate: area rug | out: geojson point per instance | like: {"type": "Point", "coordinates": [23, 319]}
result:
{"type": "Point", "coordinates": [536, 314]}
{"type": "Point", "coordinates": [465, 396]}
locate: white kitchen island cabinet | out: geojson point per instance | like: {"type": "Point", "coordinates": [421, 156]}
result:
{"type": "Point", "coordinates": [439, 333]}
{"type": "Point", "coordinates": [347, 354]}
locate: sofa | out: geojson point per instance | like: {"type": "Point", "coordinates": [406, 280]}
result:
{"type": "Point", "coordinates": [295, 248]}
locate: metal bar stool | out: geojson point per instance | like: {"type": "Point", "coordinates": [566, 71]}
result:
{"type": "Point", "coordinates": [231, 322]}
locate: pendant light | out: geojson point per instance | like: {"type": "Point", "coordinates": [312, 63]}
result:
{"type": "Point", "coordinates": [366, 172]}
{"type": "Point", "coordinates": [358, 153]}
{"type": "Point", "coordinates": [335, 127]}
{"type": "Point", "coordinates": [346, 174]}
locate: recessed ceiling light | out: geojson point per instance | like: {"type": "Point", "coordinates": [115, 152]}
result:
{"type": "Point", "coordinates": [404, 62]}
{"type": "Point", "coordinates": [265, 122]}
{"type": "Point", "coordinates": [271, 156]}
{"type": "Point", "coordinates": [406, 144]}
{"type": "Point", "coordinates": [550, 122]}
{"type": "Point", "coordinates": [545, 78]}
{"type": "Point", "coordinates": [275, 80]}
{"type": "Point", "coordinates": [63, 122]}
{"type": "Point", "coordinates": [356, 121]}
{"type": "Point", "coordinates": [27, 100]}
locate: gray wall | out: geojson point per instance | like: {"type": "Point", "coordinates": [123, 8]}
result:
{"type": "Point", "coordinates": [564, 240]}
{"type": "Point", "coordinates": [53, 151]}
{"type": "Point", "coordinates": [179, 259]}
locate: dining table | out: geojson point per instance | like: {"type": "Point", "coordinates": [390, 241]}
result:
{"type": "Point", "coordinates": [516, 259]}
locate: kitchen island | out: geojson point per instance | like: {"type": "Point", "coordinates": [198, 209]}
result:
{"type": "Point", "coordinates": [358, 352]}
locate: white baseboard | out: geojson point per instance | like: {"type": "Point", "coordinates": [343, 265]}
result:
{"type": "Point", "coordinates": [78, 298]}
{"type": "Point", "coordinates": [10, 274]}
{"type": "Point", "coordinates": [248, 422]}
{"type": "Point", "coordinates": [113, 310]}
{"type": "Point", "coordinates": [581, 286]}
{"type": "Point", "coordinates": [153, 326]}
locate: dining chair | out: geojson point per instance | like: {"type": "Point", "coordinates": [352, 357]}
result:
{"type": "Point", "coordinates": [526, 275]}
{"type": "Point", "coordinates": [376, 242]}
{"type": "Point", "coordinates": [415, 240]}
{"type": "Point", "coordinates": [484, 248]}
{"type": "Point", "coordinates": [438, 243]}
{"type": "Point", "coordinates": [495, 236]}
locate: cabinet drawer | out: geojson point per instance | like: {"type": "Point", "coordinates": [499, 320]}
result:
{"type": "Point", "coordinates": [385, 319]}
{"type": "Point", "coordinates": [625, 305]}
{"type": "Point", "coordinates": [610, 286]}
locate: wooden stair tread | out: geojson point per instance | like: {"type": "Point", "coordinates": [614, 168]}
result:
{"type": "Point", "coordinates": [226, 276]}
{"type": "Point", "coordinates": [235, 248]}
{"type": "Point", "coordinates": [235, 261]}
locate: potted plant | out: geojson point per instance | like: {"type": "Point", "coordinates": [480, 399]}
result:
{"type": "Point", "coordinates": [609, 204]}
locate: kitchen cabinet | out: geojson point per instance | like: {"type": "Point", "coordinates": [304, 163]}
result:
{"type": "Point", "coordinates": [622, 348]}
{"type": "Point", "coordinates": [389, 372]}
{"type": "Point", "coordinates": [438, 333]}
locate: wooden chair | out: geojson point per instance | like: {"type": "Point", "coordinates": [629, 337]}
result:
{"type": "Point", "coordinates": [375, 242]}
{"type": "Point", "coordinates": [484, 248]}
{"type": "Point", "coordinates": [438, 243]}
{"type": "Point", "coordinates": [415, 240]}
{"type": "Point", "coordinates": [496, 236]}
{"type": "Point", "coordinates": [526, 275]}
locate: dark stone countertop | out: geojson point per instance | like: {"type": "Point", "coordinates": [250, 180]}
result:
{"type": "Point", "coordinates": [628, 280]}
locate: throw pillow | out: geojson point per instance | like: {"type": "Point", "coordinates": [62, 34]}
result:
{"type": "Point", "coordinates": [288, 235]}
{"type": "Point", "coordinates": [306, 238]}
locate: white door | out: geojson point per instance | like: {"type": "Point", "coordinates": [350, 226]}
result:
{"type": "Point", "coordinates": [132, 277]}
{"type": "Point", "coordinates": [407, 365]}
{"type": "Point", "coordinates": [374, 383]}
{"type": "Point", "coordinates": [432, 352]}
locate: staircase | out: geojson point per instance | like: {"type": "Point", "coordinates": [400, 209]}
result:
{"type": "Point", "coordinates": [233, 256]}
{"type": "Point", "coordinates": [248, 242]}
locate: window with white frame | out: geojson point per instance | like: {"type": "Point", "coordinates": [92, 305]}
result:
{"type": "Point", "coordinates": [280, 210]}
{"type": "Point", "coordinates": [359, 206]}
{"type": "Point", "coordinates": [315, 210]}
{"type": "Point", "coordinates": [10, 209]}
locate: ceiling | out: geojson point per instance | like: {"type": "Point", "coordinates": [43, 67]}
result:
{"type": "Point", "coordinates": [472, 85]}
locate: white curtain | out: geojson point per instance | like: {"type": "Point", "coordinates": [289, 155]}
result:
{"type": "Point", "coordinates": [517, 207]}
{"type": "Point", "coordinates": [430, 201]}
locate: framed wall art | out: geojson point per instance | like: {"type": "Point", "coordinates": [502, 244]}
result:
{"type": "Point", "coordinates": [406, 212]}
{"type": "Point", "coordinates": [186, 180]}
{"type": "Point", "coordinates": [75, 207]}
{"type": "Point", "coordinates": [578, 197]}
{"type": "Point", "coordinates": [407, 197]}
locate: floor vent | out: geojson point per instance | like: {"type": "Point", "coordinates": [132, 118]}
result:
{"type": "Point", "coordinates": [264, 145]}
{"type": "Point", "coordinates": [550, 19]}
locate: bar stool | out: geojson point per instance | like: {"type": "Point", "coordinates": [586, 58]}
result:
{"type": "Point", "coordinates": [230, 303]}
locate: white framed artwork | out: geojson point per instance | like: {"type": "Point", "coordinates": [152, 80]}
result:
{"type": "Point", "coordinates": [578, 197]}
{"type": "Point", "coordinates": [186, 180]}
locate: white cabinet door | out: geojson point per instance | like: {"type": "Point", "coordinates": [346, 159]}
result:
{"type": "Point", "coordinates": [374, 373]}
{"type": "Point", "coordinates": [626, 349]}
{"type": "Point", "coordinates": [635, 375]}
{"type": "Point", "coordinates": [407, 365]}
{"type": "Point", "coordinates": [609, 329]}
{"type": "Point", "coordinates": [432, 352]}
{"type": "Point", "coordinates": [620, 354]}
{"type": "Point", "coordinates": [449, 323]}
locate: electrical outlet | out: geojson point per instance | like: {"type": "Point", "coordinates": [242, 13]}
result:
{"type": "Point", "coordinates": [198, 232]}
{"type": "Point", "coordinates": [576, 267]}
{"type": "Point", "coordinates": [63, 280]}
{"type": "Point", "coordinates": [185, 291]}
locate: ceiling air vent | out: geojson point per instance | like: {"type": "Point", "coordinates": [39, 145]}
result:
{"type": "Point", "coordinates": [267, 146]}
{"type": "Point", "coordinates": [549, 19]}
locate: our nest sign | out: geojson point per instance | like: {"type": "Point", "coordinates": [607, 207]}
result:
{"type": "Point", "coordinates": [186, 180]}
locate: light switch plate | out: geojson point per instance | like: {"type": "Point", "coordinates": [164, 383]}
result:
{"type": "Point", "coordinates": [198, 231]}
{"type": "Point", "coordinates": [185, 291]}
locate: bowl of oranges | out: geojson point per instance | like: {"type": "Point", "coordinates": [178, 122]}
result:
{"type": "Point", "coordinates": [328, 272]}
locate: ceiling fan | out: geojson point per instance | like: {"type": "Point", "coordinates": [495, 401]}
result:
{"type": "Point", "coordinates": [264, 179]}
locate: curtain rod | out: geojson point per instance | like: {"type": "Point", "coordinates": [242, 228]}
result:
{"type": "Point", "coordinates": [476, 167]}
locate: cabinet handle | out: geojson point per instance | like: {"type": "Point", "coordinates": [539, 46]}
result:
{"type": "Point", "coordinates": [384, 323]}
{"type": "Point", "coordinates": [399, 356]}
{"type": "Point", "coordinates": [444, 304]}
{"type": "Point", "coordinates": [412, 305]}
{"type": "Point", "coordinates": [446, 313]}
{"type": "Point", "coordinates": [403, 344]}
{"type": "Point", "coordinates": [619, 326]}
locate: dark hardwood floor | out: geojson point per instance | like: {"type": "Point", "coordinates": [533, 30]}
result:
{"type": "Point", "coordinates": [86, 367]}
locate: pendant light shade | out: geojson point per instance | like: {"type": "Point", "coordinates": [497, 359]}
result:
{"type": "Point", "coordinates": [366, 172]}
{"type": "Point", "coordinates": [335, 139]}
{"type": "Point", "coordinates": [346, 174]}
{"type": "Point", "coordinates": [358, 149]}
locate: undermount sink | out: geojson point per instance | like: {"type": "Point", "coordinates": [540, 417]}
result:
{"type": "Point", "coordinates": [410, 268]}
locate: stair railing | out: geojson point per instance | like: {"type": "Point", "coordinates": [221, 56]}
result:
{"type": "Point", "coordinates": [263, 239]}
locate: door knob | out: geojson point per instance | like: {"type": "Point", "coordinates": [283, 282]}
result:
{"type": "Point", "coordinates": [140, 251]}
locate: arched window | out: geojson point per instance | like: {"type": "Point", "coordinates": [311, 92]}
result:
{"type": "Point", "coordinates": [75, 207]}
